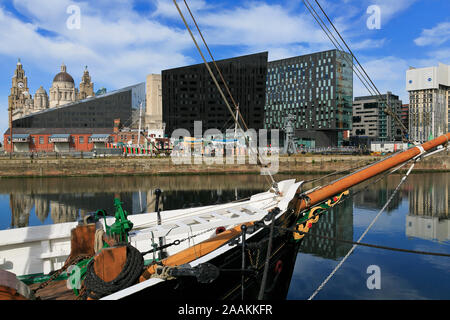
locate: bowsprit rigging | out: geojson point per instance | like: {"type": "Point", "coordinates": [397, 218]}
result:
{"type": "Point", "coordinates": [236, 250]}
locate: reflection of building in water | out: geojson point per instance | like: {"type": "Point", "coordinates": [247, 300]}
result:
{"type": "Point", "coordinates": [150, 199]}
{"type": "Point", "coordinates": [61, 212]}
{"type": "Point", "coordinates": [430, 196]}
{"type": "Point", "coordinates": [428, 228]}
{"type": "Point", "coordinates": [21, 206]}
{"type": "Point", "coordinates": [67, 207]}
{"type": "Point", "coordinates": [70, 207]}
{"type": "Point", "coordinates": [336, 223]}
{"type": "Point", "coordinates": [377, 196]}
{"type": "Point", "coordinates": [41, 208]}
{"type": "Point", "coordinates": [429, 203]}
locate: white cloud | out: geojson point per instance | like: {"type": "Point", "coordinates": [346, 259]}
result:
{"type": "Point", "coordinates": [389, 8]}
{"type": "Point", "coordinates": [434, 36]}
{"type": "Point", "coordinates": [119, 50]}
{"type": "Point", "coordinates": [260, 23]}
{"type": "Point", "coordinates": [167, 9]}
{"type": "Point", "coordinates": [387, 73]}
{"type": "Point", "coordinates": [368, 44]}
{"type": "Point", "coordinates": [121, 46]}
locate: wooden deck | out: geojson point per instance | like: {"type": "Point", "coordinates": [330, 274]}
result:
{"type": "Point", "coordinates": [56, 290]}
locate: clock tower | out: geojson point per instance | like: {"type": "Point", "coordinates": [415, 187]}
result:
{"type": "Point", "coordinates": [19, 92]}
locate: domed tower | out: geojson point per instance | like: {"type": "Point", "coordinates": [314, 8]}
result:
{"type": "Point", "coordinates": [40, 99]}
{"type": "Point", "coordinates": [63, 89]}
{"type": "Point", "coordinates": [19, 95]}
{"type": "Point", "coordinates": [86, 86]}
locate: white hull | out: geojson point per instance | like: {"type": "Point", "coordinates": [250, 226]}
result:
{"type": "Point", "coordinates": [42, 249]}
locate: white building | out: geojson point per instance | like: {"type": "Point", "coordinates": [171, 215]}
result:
{"type": "Point", "coordinates": [429, 95]}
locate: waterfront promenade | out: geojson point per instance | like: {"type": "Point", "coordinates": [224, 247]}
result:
{"type": "Point", "coordinates": [109, 166]}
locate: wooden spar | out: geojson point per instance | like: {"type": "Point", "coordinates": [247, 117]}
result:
{"type": "Point", "coordinates": [315, 197]}
{"type": "Point", "coordinates": [343, 184]}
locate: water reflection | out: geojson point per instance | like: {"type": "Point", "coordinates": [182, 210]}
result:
{"type": "Point", "coordinates": [378, 194]}
{"type": "Point", "coordinates": [418, 215]}
{"type": "Point", "coordinates": [58, 200]}
{"type": "Point", "coordinates": [336, 223]}
{"type": "Point", "coordinates": [417, 219]}
{"type": "Point", "coordinates": [429, 203]}
{"type": "Point", "coordinates": [69, 199]}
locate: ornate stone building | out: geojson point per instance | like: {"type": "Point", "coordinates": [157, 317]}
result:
{"type": "Point", "coordinates": [19, 96]}
{"type": "Point", "coordinates": [86, 86]}
{"type": "Point", "coordinates": [62, 91]}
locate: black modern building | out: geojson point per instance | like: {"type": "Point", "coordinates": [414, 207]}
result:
{"type": "Point", "coordinates": [189, 94]}
{"type": "Point", "coordinates": [318, 90]}
{"type": "Point", "coordinates": [95, 112]}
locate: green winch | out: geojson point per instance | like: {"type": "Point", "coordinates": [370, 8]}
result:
{"type": "Point", "coordinates": [120, 228]}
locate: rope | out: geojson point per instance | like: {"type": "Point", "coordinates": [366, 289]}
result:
{"type": "Point", "coordinates": [273, 183]}
{"type": "Point", "coordinates": [378, 246]}
{"type": "Point", "coordinates": [163, 272]}
{"type": "Point", "coordinates": [440, 254]}
{"type": "Point", "coordinates": [98, 240]}
{"type": "Point", "coordinates": [97, 288]}
{"type": "Point", "coordinates": [362, 236]}
{"type": "Point", "coordinates": [367, 80]}
{"type": "Point", "coordinates": [269, 249]}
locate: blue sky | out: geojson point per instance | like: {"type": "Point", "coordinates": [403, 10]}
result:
{"type": "Point", "coordinates": [121, 41]}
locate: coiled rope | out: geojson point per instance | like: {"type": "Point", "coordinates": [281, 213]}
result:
{"type": "Point", "coordinates": [96, 288]}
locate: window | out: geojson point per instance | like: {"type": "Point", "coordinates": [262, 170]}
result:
{"type": "Point", "coordinates": [41, 140]}
{"type": "Point", "coordinates": [81, 140]}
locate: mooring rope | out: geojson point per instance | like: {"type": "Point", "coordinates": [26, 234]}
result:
{"type": "Point", "coordinates": [362, 236]}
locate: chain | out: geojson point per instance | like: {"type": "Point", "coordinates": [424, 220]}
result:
{"type": "Point", "coordinates": [254, 264]}
{"type": "Point", "coordinates": [60, 271]}
{"type": "Point", "coordinates": [175, 243]}
{"type": "Point", "coordinates": [198, 234]}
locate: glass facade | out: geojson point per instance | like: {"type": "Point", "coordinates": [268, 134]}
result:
{"type": "Point", "coordinates": [96, 112]}
{"type": "Point", "coordinates": [189, 94]}
{"type": "Point", "coordinates": [317, 89]}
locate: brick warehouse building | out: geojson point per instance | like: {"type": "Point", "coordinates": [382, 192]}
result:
{"type": "Point", "coordinates": [78, 126]}
{"type": "Point", "coordinates": [58, 139]}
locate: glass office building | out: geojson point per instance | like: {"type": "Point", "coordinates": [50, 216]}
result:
{"type": "Point", "coordinates": [318, 90]}
{"type": "Point", "coordinates": [95, 112]}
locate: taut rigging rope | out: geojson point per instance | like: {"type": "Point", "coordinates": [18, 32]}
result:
{"type": "Point", "coordinates": [273, 183]}
{"type": "Point", "coordinates": [362, 236]}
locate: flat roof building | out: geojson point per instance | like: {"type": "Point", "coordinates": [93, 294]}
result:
{"type": "Point", "coordinates": [77, 126]}
{"type": "Point", "coordinates": [371, 121]}
{"type": "Point", "coordinates": [189, 94]}
{"type": "Point", "coordinates": [95, 112]}
{"type": "Point", "coordinates": [429, 101]}
{"type": "Point", "coordinates": [317, 89]}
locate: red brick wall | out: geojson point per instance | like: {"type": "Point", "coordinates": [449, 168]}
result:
{"type": "Point", "coordinates": [127, 136]}
{"type": "Point", "coordinates": [37, 146]}
{"type": "Point", "coordinates": [85, 146]}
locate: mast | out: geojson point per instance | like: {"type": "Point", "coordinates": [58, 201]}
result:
{"type": "Point", "coordinates": [236, 122]}
{"type": "Point", "coordinates": [306, 200]}
{"type": "Point", "coordinates": [139, 130]}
